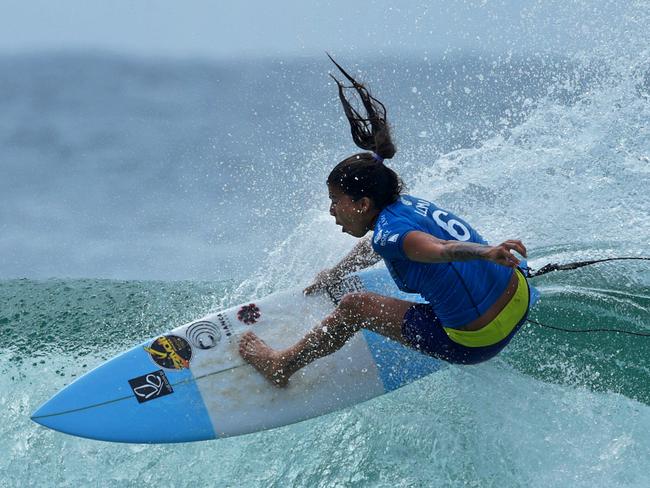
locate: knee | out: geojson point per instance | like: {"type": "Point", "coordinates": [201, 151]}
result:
{"type": "Point", "coordinates": [353, 303]}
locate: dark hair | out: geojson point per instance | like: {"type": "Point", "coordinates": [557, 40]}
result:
{"type": "Point", "coordinates": [364, 174]}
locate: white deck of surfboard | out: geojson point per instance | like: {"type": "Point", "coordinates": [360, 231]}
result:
{"type": "Point", "coordinates": [213, 393]}
{"type": "Point", "coordinates": [239, 400]}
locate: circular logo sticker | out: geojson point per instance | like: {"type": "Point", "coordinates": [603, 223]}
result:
{"type": "Point", "coordinates": [249, 314]}
{"type": "Point", "coordinates": [171, 352]}
{"type": "Point", "coordinates": [204, 334]}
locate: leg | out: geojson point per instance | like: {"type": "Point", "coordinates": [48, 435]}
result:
{"type": "Point", "coordinates": [378, 313]}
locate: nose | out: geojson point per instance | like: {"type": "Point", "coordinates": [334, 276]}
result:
{"type": "Point", "coordinates": [332, 210]}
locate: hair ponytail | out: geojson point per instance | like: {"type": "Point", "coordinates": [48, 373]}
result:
{"type": "Point", "coordinates": [370, 132]}
{"type": "Point", "coordinates": [364, 174]}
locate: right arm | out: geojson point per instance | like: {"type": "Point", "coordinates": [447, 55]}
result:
{"type": "Point", "coordinates": [360, 257]}
{"type": "Point", "coordinates": [425, 248]}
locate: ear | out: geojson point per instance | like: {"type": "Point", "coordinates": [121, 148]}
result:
{"type": "Point", "coordinates": [365, 204]}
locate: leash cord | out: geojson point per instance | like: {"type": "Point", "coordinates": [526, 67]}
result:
{"type": "Point", "coordinates": [578, 331]}
{"type": "Point", "coordinates": [579, 264]}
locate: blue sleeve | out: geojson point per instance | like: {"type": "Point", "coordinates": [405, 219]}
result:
{"type": "Point", "coordinates": [388, 238]}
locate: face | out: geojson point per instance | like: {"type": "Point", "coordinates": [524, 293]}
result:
{"type": "Point", "coordinates": [353, 217]}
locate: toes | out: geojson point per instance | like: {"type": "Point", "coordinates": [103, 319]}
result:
{"type": "Point", "coordinates": [246, 340]}
{"type": "Point", "coordinates": [246, 345]}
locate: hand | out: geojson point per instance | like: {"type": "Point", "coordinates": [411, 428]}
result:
{"type": "Point", "coordinates": [325, 278]}
{"type": "Point", "coordinates": [502, 254]}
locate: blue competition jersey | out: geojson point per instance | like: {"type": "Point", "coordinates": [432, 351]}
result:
{"type": "Point", "coordinates": [458, 291]}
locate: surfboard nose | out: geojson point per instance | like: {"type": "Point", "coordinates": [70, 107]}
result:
{"type": "Point", "coordinates": [74, 410]}
{"type": "Point", "coordinates": [38, 414]}
{"type": "Point", "coordinates": [58, 413]}
{"type": "Point", "coordinates": [129, 399]}
{"type": "Point", "coordinates": [46, 416]}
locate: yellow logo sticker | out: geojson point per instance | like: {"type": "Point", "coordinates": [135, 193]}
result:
{"type": "Point", "coordinates": [171, 352]}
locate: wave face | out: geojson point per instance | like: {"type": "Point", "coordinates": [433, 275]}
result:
{"type": "Point", "coordinates": [137, 195]}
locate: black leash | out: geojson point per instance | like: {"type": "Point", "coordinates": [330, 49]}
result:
{"type": "Point", "coordinates": [578, 331]}
{"type": "Point", "coordinates": [579, 264]}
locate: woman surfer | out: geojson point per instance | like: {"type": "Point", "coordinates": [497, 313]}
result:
{"type": "Point", "coordinates": [477, 297]}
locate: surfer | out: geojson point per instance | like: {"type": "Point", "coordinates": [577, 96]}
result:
{"type": "Point", "coordinates": [477, 297]}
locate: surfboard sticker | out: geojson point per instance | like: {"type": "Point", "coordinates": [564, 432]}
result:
{"type": "Point", "coordinates": [171, 352]}
{"type": "Point", "coordinates": [203, 334]}
{"type": "Point", "coordinates": [249, 314]}
{"type": "Point", "coordinates": [150, 386]}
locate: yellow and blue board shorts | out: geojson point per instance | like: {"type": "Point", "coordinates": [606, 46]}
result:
{"type": "Point", "coordinates": [424, 331]}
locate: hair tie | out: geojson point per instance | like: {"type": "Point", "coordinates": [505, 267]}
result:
{"type": "Point", "coordinates": [377, 158]}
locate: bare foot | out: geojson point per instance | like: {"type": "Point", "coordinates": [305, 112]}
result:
{"type": "Point", "coordinates": [264, 359]}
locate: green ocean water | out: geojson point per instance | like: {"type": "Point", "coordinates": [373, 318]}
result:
{"type": "Point", "coordinates": [605, 296]}
{"type": "Point", "coordinates": [558, 385]}
{"type": "Point", "coordinates": [89, 321]}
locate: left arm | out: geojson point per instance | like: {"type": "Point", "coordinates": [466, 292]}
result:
{"type": "Point", "coordinates": [425, 248]}
{"type": "Point", "coordinates": [361, 257]}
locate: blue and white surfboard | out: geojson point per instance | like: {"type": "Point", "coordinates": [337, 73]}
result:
{"type": "Point", "coordinates": [191, 384]}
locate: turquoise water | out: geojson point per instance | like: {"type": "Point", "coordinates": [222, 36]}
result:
{"type": "Point", "coordinates": [136, 195]}
{"type": "Point", "coordinates": [553, 409]}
